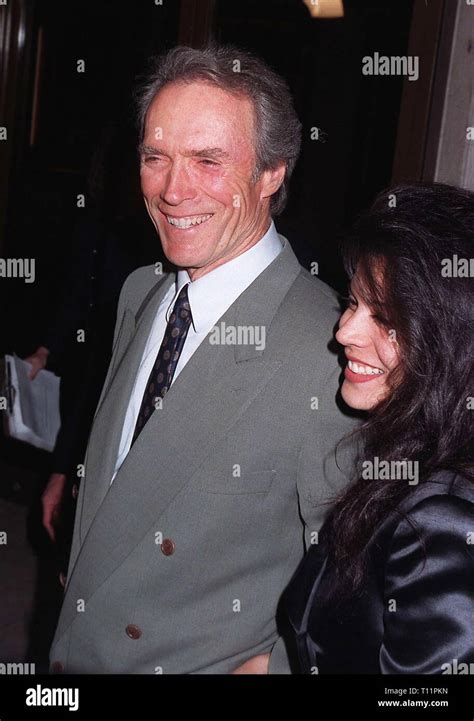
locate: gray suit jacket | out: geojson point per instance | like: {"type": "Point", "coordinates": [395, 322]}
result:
{"type": "Point", "coordinates": [179, 565]}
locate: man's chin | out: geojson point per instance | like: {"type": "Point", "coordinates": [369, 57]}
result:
{"type": "Point", "coordinates": [182, 257]}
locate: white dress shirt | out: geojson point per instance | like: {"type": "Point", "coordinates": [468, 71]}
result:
{"type": "Point", "coordinates": [209, 297]}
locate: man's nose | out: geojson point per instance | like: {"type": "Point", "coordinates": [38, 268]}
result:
{"type": "Point", "coordinates": [177, 186]}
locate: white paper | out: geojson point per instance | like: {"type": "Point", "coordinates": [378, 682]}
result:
{"type": "Point", "coordinates": [34, 416]}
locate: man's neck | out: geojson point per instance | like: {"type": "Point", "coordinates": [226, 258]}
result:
{"type": "Point", "coordinates": [195, 273]}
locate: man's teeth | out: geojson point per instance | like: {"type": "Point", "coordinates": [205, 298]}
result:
{"type": "Point", "coordinates": [188, 222]}
{"type": "Point", "coordinates": [363, 370]}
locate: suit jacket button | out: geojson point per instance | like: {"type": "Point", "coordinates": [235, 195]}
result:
{"type": "Point", "coordinates": [168, 546]}
{"type": "Point", "coordinates": [75, 490]}
{"type": "Point", "coordinates": [57, 667]}
{"type": "Point", "coordinates": [133, 631]}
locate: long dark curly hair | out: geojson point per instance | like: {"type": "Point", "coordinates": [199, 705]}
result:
{"type": "Point", "coordinates": [419, 235]}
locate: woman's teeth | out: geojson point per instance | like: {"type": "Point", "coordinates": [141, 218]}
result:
{"type": "Point", "coordinates": [363, 370]}
{"type": "Point", "coordinates": [188, 222]}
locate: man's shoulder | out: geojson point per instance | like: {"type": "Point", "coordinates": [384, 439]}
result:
{"type": "Point", "coordinates": [315, 289]}
{"type": "Point", "coordinates": [306, 287]}
{"type": "Point", "coordinates": [312, 301]}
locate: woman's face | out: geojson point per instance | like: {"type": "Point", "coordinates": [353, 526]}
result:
{"type": "Point", "coordinates": [371, 351]}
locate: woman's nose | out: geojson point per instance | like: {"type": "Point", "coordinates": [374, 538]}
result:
{"type": "Point", "coordinates": [350, 331]}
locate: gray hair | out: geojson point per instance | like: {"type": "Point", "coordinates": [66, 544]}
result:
{"type": "Point", "coordinates": [278, 129]}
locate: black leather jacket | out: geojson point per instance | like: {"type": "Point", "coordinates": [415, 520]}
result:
{"type": "Point", "coordinates": [415, 613]}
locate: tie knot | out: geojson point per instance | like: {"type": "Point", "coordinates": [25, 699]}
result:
{"type": "Point", "coordinates": [181, 309]}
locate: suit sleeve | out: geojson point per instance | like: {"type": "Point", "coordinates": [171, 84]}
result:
{"type": "Point", "coordinates": [429, 590]}
{"type": "Point", "coordinates": [326, 463]}
{"type": "Point", "coordinates": [279, 662]}
{"type": "Point", "coordinates": [122, 304]}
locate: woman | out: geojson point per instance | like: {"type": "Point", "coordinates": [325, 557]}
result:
{"type": "Point", "coordinates": [389, 587]}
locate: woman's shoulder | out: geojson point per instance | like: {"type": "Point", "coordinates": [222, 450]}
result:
{"type": "Point", "coordinates": [441, 489]}
{"type": "Point", "coordinates": [441, 506]}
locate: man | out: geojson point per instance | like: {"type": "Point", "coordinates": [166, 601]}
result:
{"type": "Point", "coordinates": [213, 445]}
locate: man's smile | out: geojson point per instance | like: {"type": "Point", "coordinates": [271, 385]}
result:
{"type": "Point", "coordinates": [187, 221]}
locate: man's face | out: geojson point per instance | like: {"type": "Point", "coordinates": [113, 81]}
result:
{"type": "Point", "coordinates": [197, 166]}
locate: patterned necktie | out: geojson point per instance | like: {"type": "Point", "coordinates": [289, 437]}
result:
{"type": "Point", "coordinates": [166, 361]}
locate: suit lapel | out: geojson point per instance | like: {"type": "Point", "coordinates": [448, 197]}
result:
{"type": "Point", "coordinates": [211, 393]}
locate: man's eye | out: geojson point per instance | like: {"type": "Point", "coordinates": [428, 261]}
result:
{"type": "Point", "coordinates": [152, 158]}
{"type": "Point", "coordinates": [207, 162]}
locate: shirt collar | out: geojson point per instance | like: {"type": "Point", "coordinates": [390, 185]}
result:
{"type": "Point", "coordinates": [212, 294]}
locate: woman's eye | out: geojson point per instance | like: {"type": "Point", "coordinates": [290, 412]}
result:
{"type": "Point", "coordinates": [381, 320]}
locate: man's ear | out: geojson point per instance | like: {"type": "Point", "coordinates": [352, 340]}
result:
{"type": "Point", "coordinates": [271, 180]}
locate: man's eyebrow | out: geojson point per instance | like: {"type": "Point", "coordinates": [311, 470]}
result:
{"type": "Point", "coordinates": [149, 150]}
{"type": "Point", "coordinates": [212, 153]}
